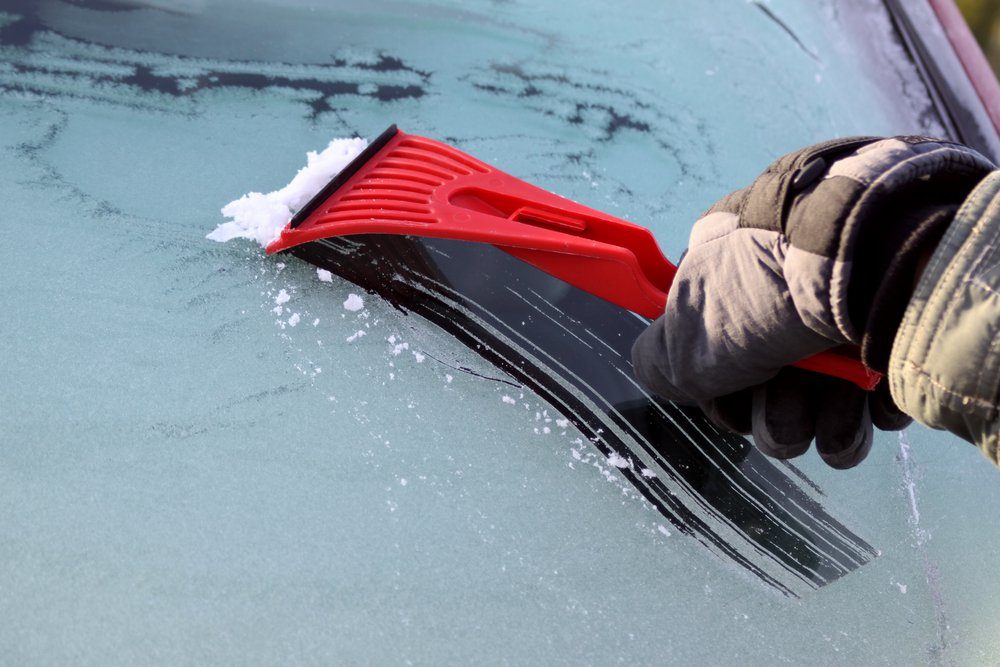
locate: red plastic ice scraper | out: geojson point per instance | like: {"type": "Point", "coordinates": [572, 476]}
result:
{"type": "Point", "coordinates": [409, 185]}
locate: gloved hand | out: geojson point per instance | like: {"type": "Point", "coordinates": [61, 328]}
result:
{"type": "Point", "coordinates": [820, 250]}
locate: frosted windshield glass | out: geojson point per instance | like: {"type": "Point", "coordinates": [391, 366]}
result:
{"type": "Point", "coordinates": [215, 456]}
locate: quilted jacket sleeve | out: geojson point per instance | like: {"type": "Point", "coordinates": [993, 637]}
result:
{"type": "Point", "coordinates": [944, 368]}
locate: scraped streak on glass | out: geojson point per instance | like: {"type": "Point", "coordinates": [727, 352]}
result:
{"type": "Point", "coordinates": [712, 486]}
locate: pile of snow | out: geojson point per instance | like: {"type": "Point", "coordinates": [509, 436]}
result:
{"type": "Point", "coordinates": [261, 217]}
{"type": "Point", "coordinates": [619, 461]}
{"type": "Point", "coordinates": [354, 303]}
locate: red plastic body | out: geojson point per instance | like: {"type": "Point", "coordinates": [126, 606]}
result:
{"type": "Point", "coordinates": [420, 187]}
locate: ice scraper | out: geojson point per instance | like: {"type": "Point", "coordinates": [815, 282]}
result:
{"type": "Point", "coordinates": [408, 185]}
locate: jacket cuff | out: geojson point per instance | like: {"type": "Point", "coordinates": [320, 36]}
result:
{"type": "Point", "coordinates": [892, 266]}
{"type": "Point", "coordinates": [846, 228]}
{"type": "Point", "coordinates": [944, 369]}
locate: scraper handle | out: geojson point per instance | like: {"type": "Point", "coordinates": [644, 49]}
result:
{"type": "Point", "coordinates": [844, 363]}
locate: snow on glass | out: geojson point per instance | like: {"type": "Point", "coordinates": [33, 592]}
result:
{"type": "Point", "coordinates": [354, 303]}
{"type": "Point", "coordinates": [261, 217]}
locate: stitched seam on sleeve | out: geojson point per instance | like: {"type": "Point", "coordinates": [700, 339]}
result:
{"type": "Point", "coordinates": [946, 278]}
{"type": "Point", "coordinates": [925, 377]}
{"type": "Point", "coordinates": [987, 366]}
{"type": "Point", "coordinates": [991, 211]}
{"type": "Point", "coordinates": [977, 234]}
{"type": "Point", "coordinates": [913, 348]}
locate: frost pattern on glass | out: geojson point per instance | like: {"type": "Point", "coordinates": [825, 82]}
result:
{"type": "Point", "coordinates": [197, 438]}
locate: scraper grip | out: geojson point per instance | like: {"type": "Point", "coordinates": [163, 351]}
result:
{"type": "Point", "coordinates": [408, 185]}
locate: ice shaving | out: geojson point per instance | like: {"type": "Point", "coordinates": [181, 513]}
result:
{"type": "Point", "coordinates": [261, 217]}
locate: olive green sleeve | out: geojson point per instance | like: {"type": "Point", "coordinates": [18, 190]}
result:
{"type": "Point", "coordinates": [944, 369]}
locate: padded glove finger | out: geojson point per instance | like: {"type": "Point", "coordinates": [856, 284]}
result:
{"type": "Point", "coordinates": [783, 415]}
{"type": "Point", "coordinates": [843, 423]}
{"type": "Point", "coordinates": [886, 415]}
{"type": "Point", "coordinates": [731, 412]}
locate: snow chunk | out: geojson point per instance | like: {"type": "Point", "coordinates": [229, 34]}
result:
{"type": "Point", "coordinates": [282, 297]}
{"type": "Point", "coordinates": [619, 461]}
{"type": "Point", "coordinates": [294, 319]}
{"type": "Point", "coordinates": [508, 400]}
{"type": "Point", "coordinates": [261, 217]}
{"type": "Point", "coordinates": [355, 336]}
{"type": "Point", "coordinates": [324, 275]}
{"type": "Point", "coordinates": [562, 423]}
{"type": "Point", "coordinates": [354, 303]}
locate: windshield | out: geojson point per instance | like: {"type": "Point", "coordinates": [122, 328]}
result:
{"type": "Point", "coordinates": [212, 455]}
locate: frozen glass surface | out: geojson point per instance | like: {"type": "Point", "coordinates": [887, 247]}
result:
{"type": "Point", "coordinates": [207, 457]}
